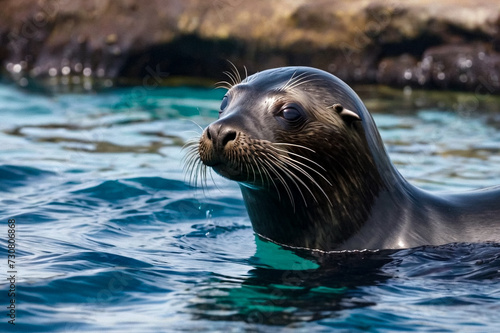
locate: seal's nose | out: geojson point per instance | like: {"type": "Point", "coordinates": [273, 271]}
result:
{"type": "Point", "coordinates": [220, 134]}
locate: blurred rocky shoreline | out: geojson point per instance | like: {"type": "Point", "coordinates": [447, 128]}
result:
{"type": "Point", "coordinates": [445, 44]}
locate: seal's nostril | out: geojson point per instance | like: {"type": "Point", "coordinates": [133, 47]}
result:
{"type": "Point", "coordinates": [220, 134]}
{"type": "Point", "coordinates": [229, 136]}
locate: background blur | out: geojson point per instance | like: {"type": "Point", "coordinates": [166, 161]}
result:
{"type": "Point", "coordinates": [445, 44]}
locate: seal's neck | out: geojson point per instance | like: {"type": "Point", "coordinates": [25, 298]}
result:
{"type": "Point", "coordinates": [317, 219]}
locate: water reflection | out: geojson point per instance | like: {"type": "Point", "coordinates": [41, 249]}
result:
{"type": "Point", "coordinates": [316, 286]}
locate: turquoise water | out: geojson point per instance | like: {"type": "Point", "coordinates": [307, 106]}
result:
{"type": "Point", "coordinates": [111, 238]}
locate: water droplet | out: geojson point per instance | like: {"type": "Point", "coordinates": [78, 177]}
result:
{"type": "Point", "coordinates": [23, 82]}
{"type": "Point", "coordinates": [441, 76]}
{"type": "Point", "coordinates": [53, 72]}
{"type": "Point", "coordinates": [108, 83]}
{"type": "Point", "coordinates": [426, 62]}
{"type": "Point", "coordinates": [100, 72]}
{"type": "Point", "coordinates": [407, 75]}
{"type": "Point", "coordinates": [464, 63]}
{"type": "Point", "coordinates": [78, 67]}
{"type": "Point", "coordinates": [17, 68]}
{"type": "Point", "coordinates": [65, 70]}
{"type": "Point", "coordinates": [463, 78]}
{"type": "Point", "coordinates": [87, 71]}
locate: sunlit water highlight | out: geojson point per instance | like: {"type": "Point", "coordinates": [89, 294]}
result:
{"type": "Point", "coordinates": [111, 237]}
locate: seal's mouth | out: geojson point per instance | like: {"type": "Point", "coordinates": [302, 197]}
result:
{"type": "Point", "coordinates": [218, 163]}
{"type": "Point", "coordinates": [227, 171]}
{"type": "Point", "coordinates": [238, 170]}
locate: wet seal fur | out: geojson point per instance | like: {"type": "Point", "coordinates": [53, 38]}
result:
{"type": "Point", "coordinates": [314, 173]}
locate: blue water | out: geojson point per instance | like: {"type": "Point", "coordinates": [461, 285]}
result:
{"type": "Point", "coordinates": [110, 237]}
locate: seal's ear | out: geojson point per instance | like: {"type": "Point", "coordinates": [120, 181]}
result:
{"type": "Point", "coordinates": [347, 115]}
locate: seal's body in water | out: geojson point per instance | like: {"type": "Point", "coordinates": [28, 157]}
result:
{"type": "Point", "coordinates": [314, 173]}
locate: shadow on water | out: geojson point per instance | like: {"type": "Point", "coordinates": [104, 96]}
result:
{"type": "Point", "coordinates": [290, 286]}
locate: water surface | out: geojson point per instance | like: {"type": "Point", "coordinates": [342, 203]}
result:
{"type": "Point", "coordinates": [111, 237]}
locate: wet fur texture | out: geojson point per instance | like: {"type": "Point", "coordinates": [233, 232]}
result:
{"type": "Point", "coordinates": [325, 182]}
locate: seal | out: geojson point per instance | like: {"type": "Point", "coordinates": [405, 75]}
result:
{"type": "Point", "coordinates": [314, 173]}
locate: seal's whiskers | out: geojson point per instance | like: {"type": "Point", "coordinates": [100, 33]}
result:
{"type": "Point", "coordinates": [287, 161]}
{"type": "Point", "coordinates": [223, 85]}
{"type": "Point", "coordinates": [283, 182]}
{"type": "Point", "coordinates": [284, 155]}
{"type": "Point", "coordinates": [284, 164]}
{"type": "Point", "coordinates": [193, 166]}
{"type": "Point", "coordinates": [264, 172]}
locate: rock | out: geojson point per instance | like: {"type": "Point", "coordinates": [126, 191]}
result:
{"type": "Point", "coordinates": [465, 67]}
{"type": "Point", "coordinates": [446, 44]}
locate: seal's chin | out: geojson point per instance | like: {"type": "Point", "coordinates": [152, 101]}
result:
{"type": "Point", "coordinates": [239, 176]}
{"type": "Point", "coordinates": [228, 172]}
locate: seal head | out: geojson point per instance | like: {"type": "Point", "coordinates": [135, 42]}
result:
{"type": "Point", "coordinates": [312, 167]}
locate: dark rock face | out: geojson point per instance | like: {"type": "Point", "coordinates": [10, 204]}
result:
{"type": "Point", "coordinates": [447, 44]}
{"type": "Point", "coordinates": [459, 67]}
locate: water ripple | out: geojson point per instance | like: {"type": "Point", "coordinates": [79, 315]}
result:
{"type": "Point", "coordinates": [110, 237]}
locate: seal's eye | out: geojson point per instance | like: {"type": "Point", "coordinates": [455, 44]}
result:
{"type": "Point", "coordinates": [291, 116]}
{"type": "Point", "coordinates": [291, 113]}
{"type": "Point", "coordinates": [224, 103]}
